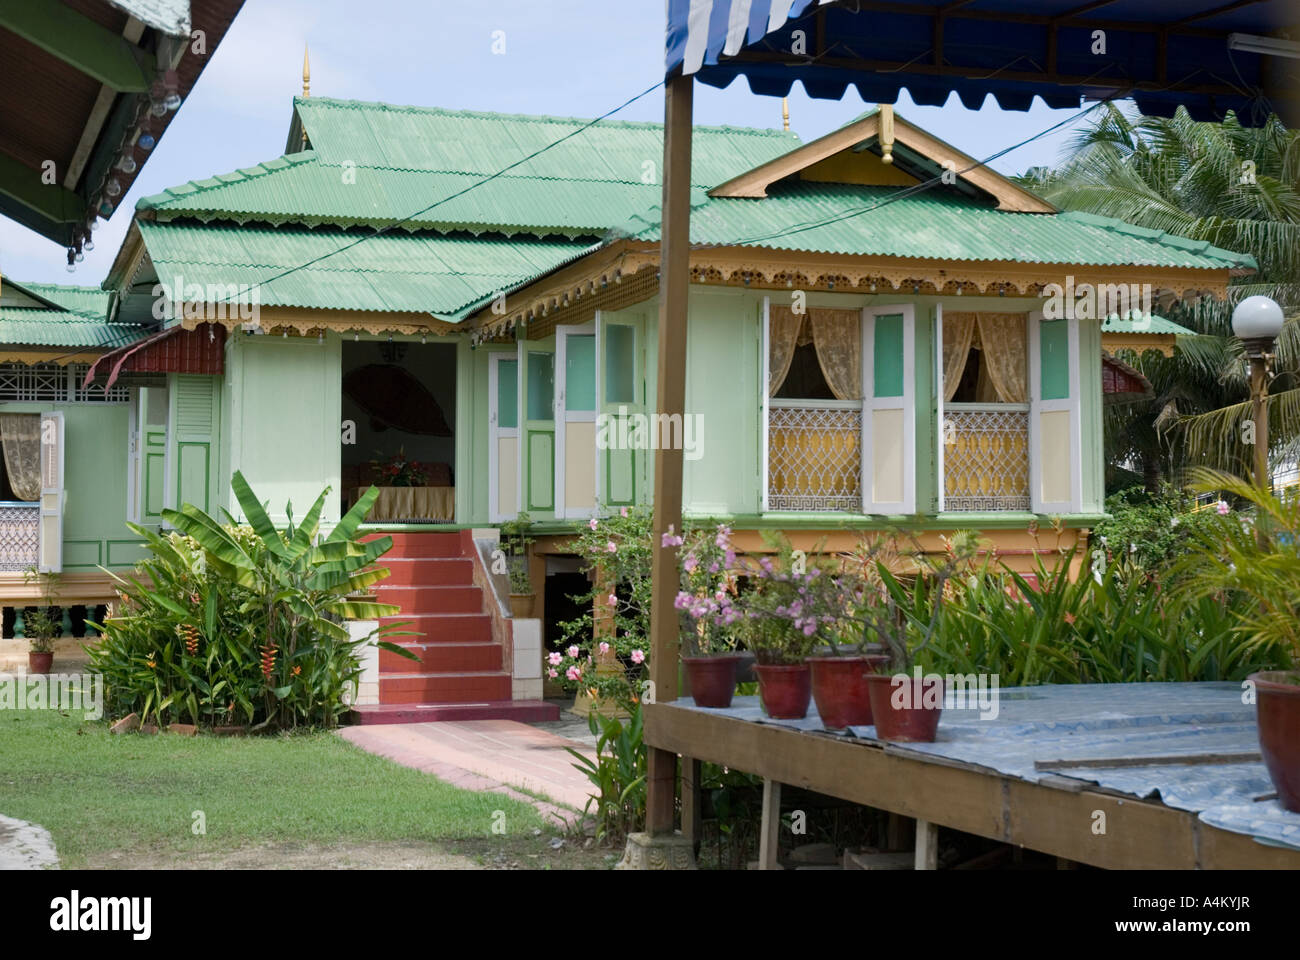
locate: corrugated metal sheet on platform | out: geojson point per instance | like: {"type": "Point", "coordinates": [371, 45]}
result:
{"type": "Point", "coordinates": [1054, 723]}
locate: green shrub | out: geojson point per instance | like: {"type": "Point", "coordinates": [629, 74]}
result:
{"type": "Point", "coordinates": [230, 624]}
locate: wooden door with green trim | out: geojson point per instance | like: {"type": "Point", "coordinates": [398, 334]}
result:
{"type": "Point", "coordinates": [537, 421]}
{"type": "Point", "coordinates": [622, 432]}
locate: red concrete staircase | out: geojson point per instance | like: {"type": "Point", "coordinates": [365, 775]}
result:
{"type": "Point", "coordinates": [464, 671]}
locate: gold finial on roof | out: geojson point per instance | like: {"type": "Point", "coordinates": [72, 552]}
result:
{"type": "Point", "coordinates": [887, 132]}
{"type": "Point", "coordinates": [306, 73]}
{"type": "Point", "coordinates": [785, 113]}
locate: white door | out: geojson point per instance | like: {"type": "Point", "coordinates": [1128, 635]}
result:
{"type": "Point", "coordinates": [888, 410]}
{"type": "Point", "coordinates": [1055, 451]}
{"type": "Point", "coordinates": [575, 420]}
{"type": "Point", "coordinates": [52, 493]}
{"type": "Point", "coordinates": [503, 436]}
{"type": "Point", "coordinates": [941, 433]}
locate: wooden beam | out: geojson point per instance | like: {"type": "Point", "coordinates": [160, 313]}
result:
{"type": "Point", "coordinates": [52, 201]}
{"type": "Point", "coordinates": [80, 42]}
{"type": "Point", "coordinates": [769, 835]}
{"type": "Point", "coordinates": [133, 30]}
{"type": "Point", "coordinates": [927, 845]}
{"type": "Point", "coordinates": [674, 284]}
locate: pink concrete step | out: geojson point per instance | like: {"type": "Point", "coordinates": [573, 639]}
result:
{"type": "Point", "coordinates": [436, 658]}
{"type": "Point", "coordinates": [430, 599]}
{"type": "Point", "coordinates": [443, 627]}
{"type": "Point", "coordinates": [524, 711]}
{"type": "Point", "coordinates": [463, 687]}
{"type": "Point", "coordinates": [427, 571]}
{"type": "Point", "coordinates": [424, 545]}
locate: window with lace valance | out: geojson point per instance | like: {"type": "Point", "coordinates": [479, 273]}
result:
{"type": "Point", "coordinates": [815, 355]}
{"type": "Point", "coordinates": [984, 357]}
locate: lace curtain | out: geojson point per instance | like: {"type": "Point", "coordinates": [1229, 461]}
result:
{"type": "Point", "coordinates": [20, 435]}
{"type": "Point", "coordinates": [837, 335]}
{"type": "Point", "coordinates": [1000, 338]}
{"type": "Point", "coordinates": [837, 338]}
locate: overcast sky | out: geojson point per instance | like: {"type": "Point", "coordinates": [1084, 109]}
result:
{"type": "Point", "coordinates": [562, 57]}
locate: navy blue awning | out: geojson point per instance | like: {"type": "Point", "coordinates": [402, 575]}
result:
{"type": "Point", "coordinates": [1162, 53]}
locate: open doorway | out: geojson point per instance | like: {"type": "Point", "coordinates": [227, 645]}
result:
{"type": "Point", "coordinates": [400, 400]}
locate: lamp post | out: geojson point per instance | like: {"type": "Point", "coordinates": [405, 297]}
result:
{"type": "Point", "coordinates": [1257, 321]}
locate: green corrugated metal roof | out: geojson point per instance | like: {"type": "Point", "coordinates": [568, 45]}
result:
{"type": "Point", "coordinates": [934, 224]}
{"type": "Point", "coordinates": [1137, 323]}
{"type": "Point", "coordinates": [82, 321]}
{"type": "Point", "coordinates": [169, 16]}
{"type": "Point", "coordinates": [90, 301]}
{"type": "Point", "coordinates": [443, 275]}
{"type": "Point", "coordinates": [299, 188]}
{"type": "Point", "coordinates": [465, 141]}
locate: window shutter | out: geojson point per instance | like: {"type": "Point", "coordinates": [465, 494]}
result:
{"type": "Point", "coordinates": [50, 556]}
{"type": "Point", "coordinates": [889, 410]}
{"type": "Point", "coordinates": [196, 412]}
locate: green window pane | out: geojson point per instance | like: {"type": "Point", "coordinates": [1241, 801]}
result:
{"type": "Point", "coordinates": [541, 386]}
{"type": "Point", "coordinates": [620, 363]}
{"type": "Point", "coordinates": [1054, 359]}
{"type": "Point", "coordinates": [888, 356]}
{"type": "Point", "coordinates": [508, 393]}
{"type": "Point", "coordinates": [580, 373]}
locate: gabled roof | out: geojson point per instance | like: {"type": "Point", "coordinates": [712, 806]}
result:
{"type": "Point", "coordinates": [932, 224]}
{"type": "Point", "coordinates": [52, 315]}
{"type": "Point", "coordinates": [883, 130]}
{"type": "Point", "coordinates": [1136, 324]}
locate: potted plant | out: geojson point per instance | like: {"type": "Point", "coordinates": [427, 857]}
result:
{"type": "Point", "coordinates": [515, 542]}
{"type": "Point", "coordinates": [706, 604]}
{"type": "Point", "coordinates": [1260, 560]}
{"type": "Point", "coordinates": [42, 623]}
{"type": "Point", "coordinates": [906, 706]}
{"type": "Point", "coordinates": [399, 471]}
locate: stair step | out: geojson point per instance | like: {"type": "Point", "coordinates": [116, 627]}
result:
{"type": "Point", "coordinates": [430, 599]}
{"type": "Point", "coordinates": [465, 687]}
{"type": "Point", "coordinates": [524, 711]}
{"type": "Point", "coordinates": [443, 658]}
{"type": "Point", "coordinates": [423, 545]}
{"type": "Point", "coordinates": [443, 627]}
{"type": "Point", "coordinates": [427, 571]}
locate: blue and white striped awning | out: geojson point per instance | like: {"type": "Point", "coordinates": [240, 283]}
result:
{"type": "Point", "coordinates": [1162, 53]}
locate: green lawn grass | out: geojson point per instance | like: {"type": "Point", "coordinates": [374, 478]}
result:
{"type": "Point", "coordinates": [98, 793]}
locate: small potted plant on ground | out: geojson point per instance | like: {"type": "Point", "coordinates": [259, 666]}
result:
{"type": "Point", "coordinates": [1262, 561]}
{"type": "Point", "coordinates": [515, 542]}
{"type": "Point", "coordinates": [706, 602]}
{"type": "Point", "coordinates": [41, 624]}
{"type": "Point", "coordinates": [906, 707]}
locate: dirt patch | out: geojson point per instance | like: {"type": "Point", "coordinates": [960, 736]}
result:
{"type": "Point", "coordinates": [532, 853]}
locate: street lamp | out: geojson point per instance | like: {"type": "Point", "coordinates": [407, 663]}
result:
{"type": "Point", "coordinates": [1257, 321]}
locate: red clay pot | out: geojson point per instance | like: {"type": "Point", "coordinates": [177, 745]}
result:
{"type": "Point", "coordinates": [913, 723]}
{"type": "Point", "coordinates": [712, 679]}
{"type": "Point", "coordinates": [839, 687]}
{"type": "Point", "coordinates": [1277, 705]}
{"type": "Point", "coordinates": [785, 690]}
{"type": "Point", "coordinates": [39, 662]}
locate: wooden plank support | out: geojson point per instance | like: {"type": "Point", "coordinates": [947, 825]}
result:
{"type": "Point", "coordinates": [770, 832]}
{"type": "Point", "coordinates": [80, 42]}
{"type": "Point", "coordinates": [53, 201]}
{"type": "Point", "coordinates": [674, 283]}
{"type": "Point", "coordinates": [1084, 825]}
{"type": "Point", "coordinates": [927, 845]}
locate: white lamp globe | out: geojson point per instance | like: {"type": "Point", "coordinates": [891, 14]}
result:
{"type": "Point", "coordinates": [1257, 318]}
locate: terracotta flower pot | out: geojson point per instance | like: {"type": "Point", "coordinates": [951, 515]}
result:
{"type": "Point", "coordinates": [39, 662]}
{"type": "Point", "coordinates": [712, 679]}
{"type": "Point", "coordinates": [908, 720]}
{"type": "Point", "coordinates": [521, 605]}
{"type": "Point", "coordinates": [839, 687]}
{"type": "Point", "coordinates": [1277, 705]}
{"type": "Point", "coordinates": [785, 690]}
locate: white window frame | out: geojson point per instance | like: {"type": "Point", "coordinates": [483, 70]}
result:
{"type": "Point", "coordinates": [871, 403]}
{"type": "Point", "coordinates": [1038, 406]}
{"type": "Point", "coordinates": [497, 432]}
{"type": "Point", "coordinates": [564, 416]}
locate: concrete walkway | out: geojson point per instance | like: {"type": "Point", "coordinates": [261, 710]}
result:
{"type": "Point", "coordinates": [25, 846]}
{"type": "Point", "coordinates": [486, 755]}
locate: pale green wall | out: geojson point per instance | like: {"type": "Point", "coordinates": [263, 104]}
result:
{"type": "Point", "coordinates": [1091, 425]}
{"type": "Point", "coordinates": [95, 473]}
{"type": "Point", "coordinates": [281, 413]}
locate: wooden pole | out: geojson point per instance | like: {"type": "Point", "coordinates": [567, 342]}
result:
{"type": "Point", "coordinates": [674, 279]}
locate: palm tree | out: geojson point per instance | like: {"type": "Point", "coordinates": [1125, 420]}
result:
{"type": "Point", "coordinates": [1237, 188]}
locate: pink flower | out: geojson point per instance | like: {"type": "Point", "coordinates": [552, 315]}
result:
{"type": "Point", "coordinates": [1223, 508]}
{"type": "Point", "coordinates": [611, 547]}
{"type": "Point", "coordinates": [573, 651]}
{"type": "Point", "coordinates": [622, 511]}
{"type": "Point", "coordinates": [550, 672]}
{"type": "Point", "coordinates": [555, 658]}
{"type": "Point", "coordinates": [638, 656]}
{"type": "Point", "coordinates": [593, 523]}
{"type": "Point", "coordinates": [574, 673]}
{"type": "Point", "coordinates": [612, 600]}
{"type": "Point", "coordinates": [604, 648]}
{"type": "Point", "coordinates": [669, 539]}
{"type": "Point", "coordinates": [690, 563]}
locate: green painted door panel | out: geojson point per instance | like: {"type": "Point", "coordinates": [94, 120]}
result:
{"type": "Point", "coordinates": [888, 373]}
{"type": "Point", "coordinates": [1054, 355]}
{"type": "Point", "coordinates": [538, 394]}
{"type": "Point", "coordinates": [196, 409]}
